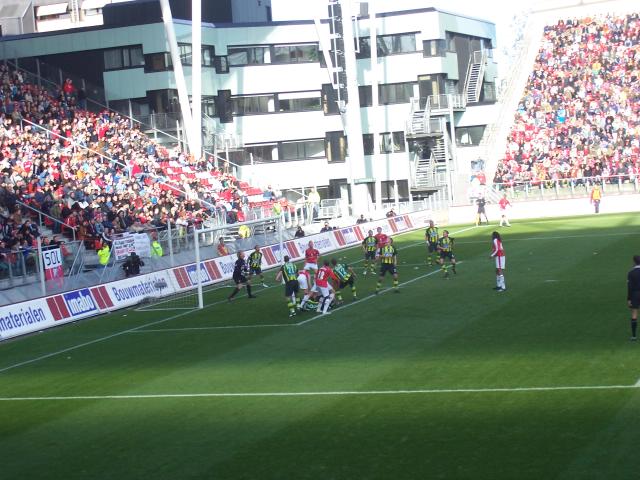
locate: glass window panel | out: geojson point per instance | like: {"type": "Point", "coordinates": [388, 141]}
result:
{"type": "Point", "coordinates": [308, 53]}
{"type": "Point", "coordinates": [386, 143]}
{"type": "Point", "coordinates": [238, 57]}
{"type": "Point", "coordinates": [367, 143]}
{"type": "Point", "coordinates": [398, 142]}
{"type": "Point", "coordinates": [113, 59]}
{"type": "Point", "coordinates": [137, 58]}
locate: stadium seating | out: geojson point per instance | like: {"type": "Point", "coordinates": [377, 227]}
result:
{"type": "Point", "coordinates": [97, 173]}
{"type": "Point", "coordinates": [579, 115]}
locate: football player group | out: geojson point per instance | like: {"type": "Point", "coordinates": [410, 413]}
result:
{"type": "Point", "coordinates": [319, 288]}
{"type": "Point", "coordinates": [440, 250]}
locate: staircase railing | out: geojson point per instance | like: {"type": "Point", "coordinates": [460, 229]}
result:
{"type": "Point", "coordinates": [42, 215]}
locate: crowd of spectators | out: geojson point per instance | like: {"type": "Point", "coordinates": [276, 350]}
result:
{"type": "Point", "coordinates": [95, 171]}
{"type": "Point", "coordinates": [579, 115]}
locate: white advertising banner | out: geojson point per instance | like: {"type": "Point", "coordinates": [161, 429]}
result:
{"type": "Point", "coordinates": [132, 242]}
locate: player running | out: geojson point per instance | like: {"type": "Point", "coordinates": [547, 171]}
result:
{"type": "Point", "coordinates": [431, 235]}
{"type": "Point", "coordinates": [240, 271]}
{"type": "Point", "coordinates": [324, 289]}
{"type": "Point", "coordinates": [370, 248]}
{"type": "Point", "coordinates": [445, 247]}
{"type": "Point", "coordinates": [311, 256]}
{"type": "Point", "coordinates": [498, 254]}
{"type": "Point", "coordinates": [346, 276]}
{"type": "Point", "coordinates": [255, 264]}
{"type": "Point", "coordinates": [388, 263]}
{"type": "Point", "coordinates": [289, 273]}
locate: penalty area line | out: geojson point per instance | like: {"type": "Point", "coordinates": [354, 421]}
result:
{"type": "Point", "coordinates": [420, 391]}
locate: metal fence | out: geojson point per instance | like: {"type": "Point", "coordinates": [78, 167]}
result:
{"type": "Point", "coordinates": [568, 188]}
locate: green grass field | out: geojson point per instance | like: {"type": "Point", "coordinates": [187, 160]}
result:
{"type": "Point", "coordinates": [447, 379]}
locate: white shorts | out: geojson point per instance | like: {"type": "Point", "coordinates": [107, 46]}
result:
{"type": "Point", "coordinates": [311, 266]}
{"type": "Point", "coordinates": [302, 282]}
{"type": "Point", "coordinates": [501, 262]}
{"type": "Point", "coordinates": [324, 291]}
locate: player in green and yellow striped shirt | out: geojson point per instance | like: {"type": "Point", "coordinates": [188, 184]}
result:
{"type": "Point", "coordinates": [346, 275]}
{"type": "Point", "coordinates": [431, 235]}
{"type": "Point", "coordinates": [388, 263]}
{"type": "Point", "coordinates": [289, 273]}
{"type": "Point", "coordinates": [445, 247]}
{"type": "Point", "coordinates": [370, 248]}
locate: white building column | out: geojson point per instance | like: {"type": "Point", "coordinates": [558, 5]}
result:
{"type": "Point", "coordinates": [181, 84]}
{"type": "Point", "coordinates": [360, 199]}
{"type": "Point", "coordinates": [196, 76]}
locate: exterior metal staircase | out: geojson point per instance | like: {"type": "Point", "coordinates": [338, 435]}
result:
{"type": "Point", "coordinates": [475, 76]}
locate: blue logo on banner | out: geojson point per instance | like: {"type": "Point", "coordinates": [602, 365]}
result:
{"type": "Point", "coordinates": [204, 275]}
{"type": "Point", "coordinates": [79, 302]}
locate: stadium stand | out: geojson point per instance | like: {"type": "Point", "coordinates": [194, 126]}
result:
{"type": "Point", "coordinates": [97, 173]}
{"type": "Point", "coordinates": [579, 115]}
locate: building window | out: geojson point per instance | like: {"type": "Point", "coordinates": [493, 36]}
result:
{"type": "Point", "coordinates": [252, 104]}
{"type": "Point", "coordinates": [336, 146]}
{"type": "Point", "coordinates": [391, 93]}
{"type": "Point", "coordinates": [208, 55]}
{"type": "Point", "coordinates": [488, 92]}
{"type": "Point", "coordinates": [305, 53]}
{"type": "Point", "coordinates": [157, 62]}
{"type": "Point", "coordinates": [127, 57]}
{"type": "Point", "coordinates": [299, 102]}
{"type": "Point", "coordinates": [392, 142]}
{"type": "Point", "coordinates": [367, 143]}
{"type": "Point", "coordinates": [366, 95]}
{"type": "Point", "coordinates": [451, 42]}
{"type": "Point", "coordinates": [261, 153]}
{"type": "Point", "coordinates": [300, 150]}
{"type": "Point", "coordinates": [185, 53]}
{"type": "Point", "coordinates": [222, 64]}
{"type": "Point", "coordinates": [209, 106]}
{"type": "Point", "coordinates": [249, 55]}
{"type": "Point", "coordinates": [469, 136]}
{"type": "Point", "coordinates": [434, 48]}
{"type": "Point", "coordinates": [388, 45]}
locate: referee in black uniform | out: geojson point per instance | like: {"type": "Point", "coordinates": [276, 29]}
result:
{"type": "Point", "coordinates": [633, 294]}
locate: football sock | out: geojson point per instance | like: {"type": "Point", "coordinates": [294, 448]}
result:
{"type": "Point", "coordinates": [305, 299]}
{"type": "Point", "coordinates": [248, 289]}
{"type": "Point", "coordinates": [395, 284]}
{"type": "Point", "coordinates": [320, 304]}
{"type": "Point", "coordinates": [634, 327]}
{"type": "Point", "coordinates": [339, 296]}
{"type": "Point", "coordinates": [453, 267]}
{"type": "Point", "coordinates": [234, 293]}
{"type": "Point", "coordinates": [353, 291]}
{"type": "Point", "coordinates": [327, 303]}
{"type": "Point", "coordinates": [498, 281]}
{"type": "Point", "coordinates": [501, 280]}
{"type": "Point", "coordinates": [378, 285]}
{"type": "Point", "coordinates": [292, 307]}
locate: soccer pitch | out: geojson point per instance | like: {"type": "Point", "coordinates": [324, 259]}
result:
{"type": "Point", "coordinates": [447, 379]}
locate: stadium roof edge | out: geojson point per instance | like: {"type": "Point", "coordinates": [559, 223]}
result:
{"type": "Point", "coordinates": [235, 25]}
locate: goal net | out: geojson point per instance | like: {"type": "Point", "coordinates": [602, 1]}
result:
{"type": "Point", "coordinates": [205, 259]}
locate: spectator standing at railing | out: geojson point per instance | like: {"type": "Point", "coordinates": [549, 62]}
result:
{"type": "Point", "coordinates": [596, 197]}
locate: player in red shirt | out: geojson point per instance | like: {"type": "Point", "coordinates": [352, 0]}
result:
{"type": "Point", "coordinates": [381, 238]}
{"type": "Point", "coordinates": [311, 256]}
{"type": "Point", "coordinates": [504, 203]}
{"type": "Point", "coordinates": [324, 288]}
{"type": "Point", "coordinates": [498, 253]}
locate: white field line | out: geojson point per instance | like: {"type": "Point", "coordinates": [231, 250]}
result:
{"type": "Point", "coordinates": [224, 327]}
{"type": "Point", "coordinates": [637, 383]}
{"type": "Point", "coordinates": [122, 332]}
{"type": "Point", "coordinates": [108, 337]}
{"type": "Point", "coordinates": [555, 237]}
{"type": "Point", "coordinates": [425, 391]}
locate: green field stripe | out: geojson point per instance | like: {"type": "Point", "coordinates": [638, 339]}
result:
{"type": "Point", "coordinates": [335, 393]}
